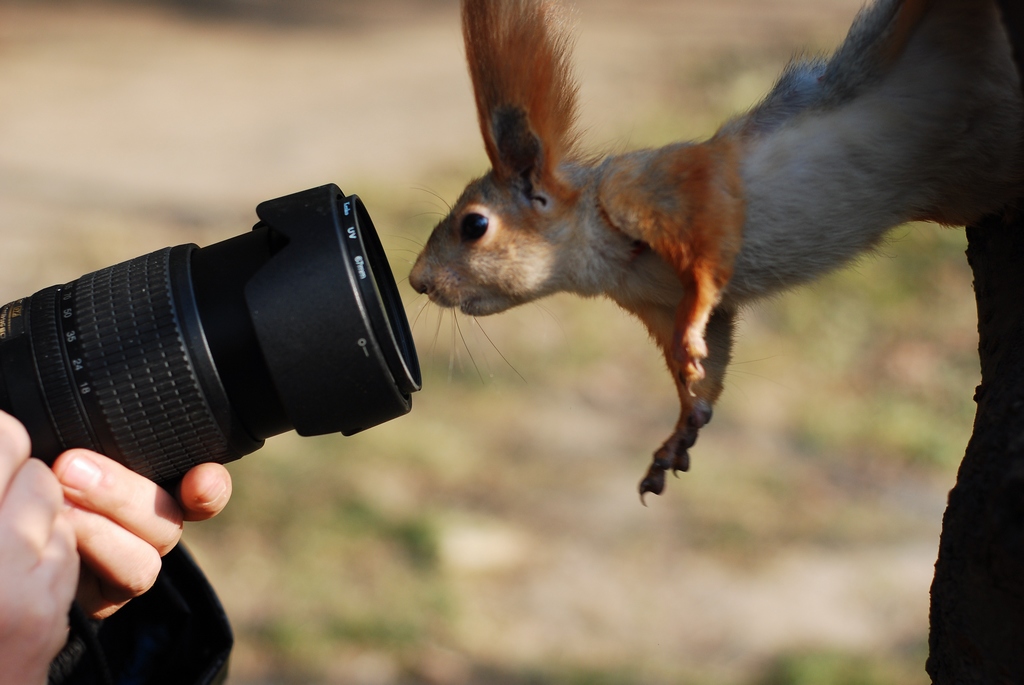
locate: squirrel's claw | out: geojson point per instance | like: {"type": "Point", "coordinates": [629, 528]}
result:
{"type": "Point", "coordinates": [675, 454]}
{"type": "Point", "coordinates": [654, 481]}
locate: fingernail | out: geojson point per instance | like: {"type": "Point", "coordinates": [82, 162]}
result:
{"type": "Point", "coordinates": [212, 497]}
{"type": "Point", "coordinates": [81, 474]}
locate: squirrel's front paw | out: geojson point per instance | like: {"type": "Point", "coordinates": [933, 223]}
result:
{"type": "Point", "coordinates": [689, 349]}
{"type": "Point", "coordinates": [675, 454]}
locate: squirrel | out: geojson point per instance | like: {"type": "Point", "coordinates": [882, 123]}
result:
{"type": "Point", "coordinates": [917, 116]}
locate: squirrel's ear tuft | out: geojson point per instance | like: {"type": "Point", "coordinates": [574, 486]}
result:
{"type": "Point", "coordinates": [518, 54]}
{"type": "Point", "coordinates": [519, 150]}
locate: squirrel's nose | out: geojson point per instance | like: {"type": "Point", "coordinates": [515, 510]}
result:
{"type": "Point", "coordinates": [418, 282]}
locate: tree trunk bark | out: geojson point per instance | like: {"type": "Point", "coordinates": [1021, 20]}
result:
{"type": "Point", "coordinates": [977, 602]}
{"type": "Point", "coordinates": [977, 613]}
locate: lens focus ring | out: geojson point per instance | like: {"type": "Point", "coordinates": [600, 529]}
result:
{"type": "Point", "coordinates": [140, 377]}
{"type": "Point", "coordinates": [58, 386]}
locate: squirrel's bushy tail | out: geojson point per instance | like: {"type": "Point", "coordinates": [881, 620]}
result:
{"type": "Point", "coordinates": [876, 40]}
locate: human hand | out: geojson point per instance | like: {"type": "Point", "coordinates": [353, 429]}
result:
{"type": "Point", "coordinates": [125, 523]}
{"type": "Point", "coordinates": [38, 562]}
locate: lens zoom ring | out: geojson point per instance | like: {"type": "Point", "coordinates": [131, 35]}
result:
{"type": "Point", "coordinates": [58, 387]}
{"type": "Point", "coordinates": [140, 370]}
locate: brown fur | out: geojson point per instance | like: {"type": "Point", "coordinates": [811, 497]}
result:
{"type": "Point", "coordinates": [680, 236]}
{"type": "Point", "coordinates": [907, 19]}
{"type": "Point", "coordinates": [518, 54]}
{"type": "Point", "coordinates": [686, 203]}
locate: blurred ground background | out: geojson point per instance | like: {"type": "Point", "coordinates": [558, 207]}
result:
{"type": "Point", "coordinates": [494, 535]}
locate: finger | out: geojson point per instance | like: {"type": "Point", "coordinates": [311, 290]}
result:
{"type": "Point", "coordinates": [101, 485]}
{"type": "Point", "coordinates": [34, 616]}
{"type": "Point", "coordinates": [204, 491]}
{"type": "Point", "coordinates": [61, 554]}
{"type": "Point", "coordinates": [64, 542]}
{"type": "Point", "coordinates": [124, 565]}
{"type": "Point", "coordinates": [59, 573]}
{"type": "Point", "coordinates": [14, 448]}
{"type": "Point", "coordinates": [30, 509]}
{"type": "Point", "coordinates": [94, 596]}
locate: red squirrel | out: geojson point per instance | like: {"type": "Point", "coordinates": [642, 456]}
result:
{"type": "Point", "coordinates": [917, 116]}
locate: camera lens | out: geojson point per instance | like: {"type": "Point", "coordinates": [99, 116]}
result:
{"type": "Point", "coordinates": [189, 355]}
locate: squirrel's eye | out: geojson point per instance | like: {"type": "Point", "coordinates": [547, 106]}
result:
{"type": "Point", "coordinates": [473, 227]}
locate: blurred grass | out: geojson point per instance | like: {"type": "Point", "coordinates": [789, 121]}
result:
{"type": "Point", "coordinates": [837, 668]}
{"type": "Point", "coordinates": [842, 424]}
{"type": "Point", "coordinates": [858, 389]}
{"type": "Point", "coordinates": [494, 535]}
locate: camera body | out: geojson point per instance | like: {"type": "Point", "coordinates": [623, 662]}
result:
{"type": "Point", "coordinates": [188, 355]}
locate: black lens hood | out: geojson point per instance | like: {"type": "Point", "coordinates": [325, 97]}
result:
{"type": "Point", "coordinates": [331, 326]}
{"type": "Point", "coordinates": [189, 355]}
